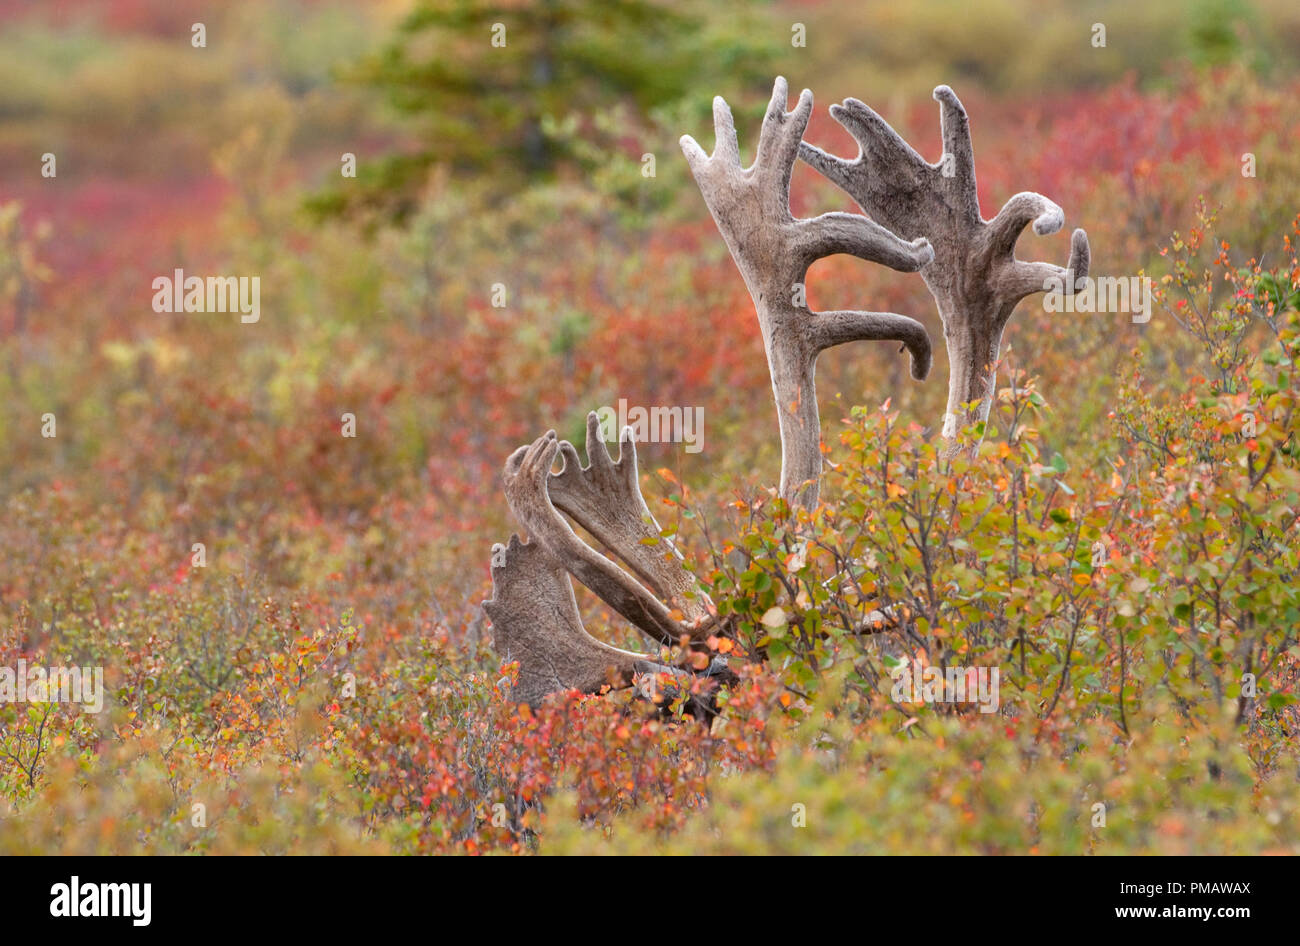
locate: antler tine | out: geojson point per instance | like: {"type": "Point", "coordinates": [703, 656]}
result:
{"type": "Point", "coordinates": [827, 329]}
{"type": "Point", "coordinates": [778, 140]}
{"type": "Point", "coordinates": [535, 621]}
{"type": "Point", "coordinates": [1004, 229]}
{"type": "Point", "coordinates": [958, 154]}
{"type": "Point", "coordinates": [773, 251]}
{"type": "Point", "coordinates": [1026, 278]}
{"type": "Point", "coordinates": [1080, 263]}
{"type": "Point", "coordinates": [835, 169]}
{"type": "Point", "coordinates": [726, 147]}
{"type": "Point", "coordinates": [879, 145]}
{"type": "Point", "coordinates": [856, 235]}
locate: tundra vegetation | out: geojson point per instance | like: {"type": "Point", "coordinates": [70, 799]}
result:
{"type": "Point", "coordinates": [275, 537]}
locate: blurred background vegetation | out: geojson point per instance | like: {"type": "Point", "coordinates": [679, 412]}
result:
{"type": "Point", "coordinates": [522, 165]}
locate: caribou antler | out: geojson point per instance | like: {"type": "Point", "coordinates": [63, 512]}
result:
{"type": "Point", "coordinates": [773, 251]}
{"type": "Point", "coordinates": [533, 611]}
{"type": "Point", "coordinates": [975, 277]}
{"type": "Point", "coordinates": [604, 498]}
{"type": "Point", "coordinates": [535, 621]}
{"type": "Point", "coordinates": [527, 479]}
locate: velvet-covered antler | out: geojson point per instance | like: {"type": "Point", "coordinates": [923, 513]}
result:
{"type": "Point", "coordinates": [604, 498]}
{"type": "Point", "coordinates": [975, 277]}
{"type": "Point", "coordinates": [534, 615]}
{"type": "Point", "coordinates": [773, 251]}
{"type": "Point", "coordinates": [526, 479]}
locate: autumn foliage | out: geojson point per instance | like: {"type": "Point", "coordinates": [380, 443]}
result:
{"type": "Point", "coordinates": [1124, 546]}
